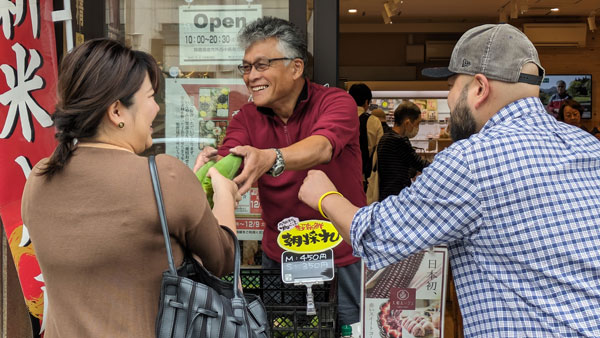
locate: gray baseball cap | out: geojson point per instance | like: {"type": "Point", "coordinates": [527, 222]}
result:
{"type": "Point", "coordinates": [496, 51]}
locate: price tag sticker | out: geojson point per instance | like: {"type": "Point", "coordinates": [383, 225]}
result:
{"type": "Point", "coordinates": [307, 267]}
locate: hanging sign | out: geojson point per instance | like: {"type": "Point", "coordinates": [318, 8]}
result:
{"type": "Point", "coordinates": [208, 34]}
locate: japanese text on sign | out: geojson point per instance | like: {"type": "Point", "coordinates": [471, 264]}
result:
{"type": "Point", "coordinates": [250, 229]}
{"type": "Point", "coordinates": [309, 236]}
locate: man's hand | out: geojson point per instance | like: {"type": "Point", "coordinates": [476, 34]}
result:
{"type": "Point", "coordinates": [207, 154]}
{"type": "Point", "coordinates": [256, 163]}
{"type": "Point", "coordinates": [314, 186]}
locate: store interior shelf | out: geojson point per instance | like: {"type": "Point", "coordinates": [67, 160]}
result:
{"type": "Point", "coordinates": [404, 85]}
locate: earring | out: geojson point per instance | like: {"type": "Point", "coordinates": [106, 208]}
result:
{"type": "Point", "coordinates": [121, 124]}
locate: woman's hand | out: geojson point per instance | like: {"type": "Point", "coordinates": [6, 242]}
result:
{"type": "Point", "coordinates": [314, 186]}
{"type": "Point", "coordinates": [225, 190]}
{"type": "Point", "coordinates": [225, 197]}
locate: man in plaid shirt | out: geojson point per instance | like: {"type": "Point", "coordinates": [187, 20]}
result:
{"type": "Point", "coordinates": [516, 198]}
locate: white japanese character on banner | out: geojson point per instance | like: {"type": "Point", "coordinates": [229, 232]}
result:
{"type": "Point", "coordinates": [19, 97]}
{"type": "Point", "coordinates": [25, 165]}
{"type": "Point", "coordinates": [8, 9]}
{"type": "Point", "coordinates": [40, 278]}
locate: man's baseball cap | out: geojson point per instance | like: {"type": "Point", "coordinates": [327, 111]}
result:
{"type": "Point", "coordinates": [496, 51]}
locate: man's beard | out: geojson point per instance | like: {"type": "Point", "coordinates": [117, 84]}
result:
{"type": "Point", "coordinates": [462, 122]}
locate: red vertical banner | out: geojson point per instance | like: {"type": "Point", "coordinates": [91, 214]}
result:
{"type": "Point", "coordinates": [28, 76]}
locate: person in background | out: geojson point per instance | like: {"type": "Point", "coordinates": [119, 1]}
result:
{"type": "Point", "coordinates": [90, 208]}
{"type": "Point", "coordinates": [370, 128]}
{"type": "Point", "coordinates": [570, 113]}
{"type": "Point", "coordinates": [291, 126]}
{"type": "Point", "coordinates": [515, 198]}
{"type": "Point", "coordinates": [596, 133]}
{"type": "Point", "coordinates": [380, 114]}
{"type": "Point", "coordinates": [397, 162]}
{"type": "Point", "coordinates": [557, 98]}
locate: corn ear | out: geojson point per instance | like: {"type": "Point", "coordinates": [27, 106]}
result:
{"type": "Point", "coordinates": [201, 173]}
{"type": "Point", "coordinates": [228, 167]}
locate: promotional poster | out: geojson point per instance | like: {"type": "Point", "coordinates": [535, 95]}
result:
{"type": "Point", "coordinates": [407, 299]}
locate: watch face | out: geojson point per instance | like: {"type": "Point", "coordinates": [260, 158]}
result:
{"type": "Point", "coordinates": [278, 170]}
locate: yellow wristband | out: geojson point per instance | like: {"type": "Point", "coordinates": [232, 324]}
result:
{"type": "Point", "coordinates": [321, 201]}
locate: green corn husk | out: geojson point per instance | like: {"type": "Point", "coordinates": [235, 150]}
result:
{"type": "Point", "coordinates": [201, 173]}
{"type": "Point", "coordinates": [227, 166]}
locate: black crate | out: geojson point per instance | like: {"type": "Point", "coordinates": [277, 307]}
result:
{"type": "Point", "coordinates": [286, 304]}
{"type": "Point", "coordinates": [289, 321]}
{"type": "Point", "coordinates": [267, 284]}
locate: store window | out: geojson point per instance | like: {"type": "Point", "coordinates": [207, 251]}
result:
{"type": "Point", "coordinates": [195, 44]}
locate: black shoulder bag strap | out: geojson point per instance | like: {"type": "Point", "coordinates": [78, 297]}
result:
{"type": "Point", "coordinates": [161, 212]}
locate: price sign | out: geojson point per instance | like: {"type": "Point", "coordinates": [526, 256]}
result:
{"type": "Point", "coordinates": [307, 267]}
{"type": "Point", "coordinates": [208, 34]}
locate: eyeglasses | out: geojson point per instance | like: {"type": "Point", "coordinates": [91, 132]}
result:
{"type": "Point", "coordinates": [260, 65]}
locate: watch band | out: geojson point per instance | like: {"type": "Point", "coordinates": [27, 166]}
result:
{"type": "Point", "coordinates": [279, 165]}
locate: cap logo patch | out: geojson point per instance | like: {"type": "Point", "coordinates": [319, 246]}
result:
{"type": "Point", "coordinates": [466, 63]}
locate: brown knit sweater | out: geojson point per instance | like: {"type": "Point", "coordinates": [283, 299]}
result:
{"type": "Point", "coordinates": [97, 236]}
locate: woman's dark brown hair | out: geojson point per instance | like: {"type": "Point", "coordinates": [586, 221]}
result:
{"type": "Point", "coordinates": [91, 77]}
{"type": "Point", "coordinates": [569, 103]}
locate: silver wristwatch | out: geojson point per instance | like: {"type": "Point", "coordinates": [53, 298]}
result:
{"type": "Point", "coordinates": [279, 165]}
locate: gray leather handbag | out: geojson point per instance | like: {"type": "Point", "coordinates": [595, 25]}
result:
{"type": "Point", "coordinates": [194, 303]}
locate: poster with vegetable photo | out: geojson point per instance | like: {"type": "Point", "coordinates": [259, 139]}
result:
{"type": "Point", "coordinates": [197, 112]}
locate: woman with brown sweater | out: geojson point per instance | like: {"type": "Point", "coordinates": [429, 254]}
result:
{"type": "Point", "coordinates": [90, 208]}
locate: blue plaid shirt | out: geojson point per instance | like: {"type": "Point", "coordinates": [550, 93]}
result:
{"type": "Point", "coordinates": [518, 204]}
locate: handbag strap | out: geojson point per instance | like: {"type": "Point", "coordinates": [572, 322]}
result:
{"type": "Point", "coordinates": [161, 212]}
{"type": "Point", "coordinates": [165, 230]}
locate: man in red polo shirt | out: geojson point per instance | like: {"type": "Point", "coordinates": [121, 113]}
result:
{"type": "Point", "coordinates": [292, 126]}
